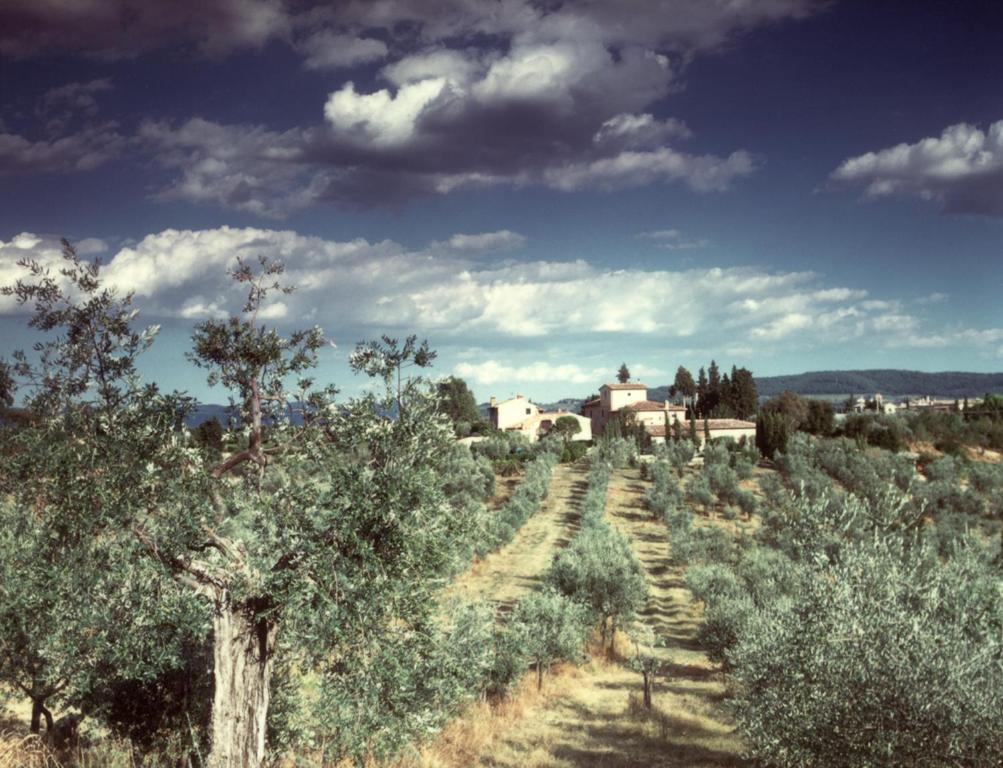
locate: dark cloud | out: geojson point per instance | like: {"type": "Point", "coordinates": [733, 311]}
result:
{"type": "Point", "coordinates": [469, 93]}
{"type": "Point", "coordinates": [115, 29]}
{"type": "Point", "coordinates": [81, 151]}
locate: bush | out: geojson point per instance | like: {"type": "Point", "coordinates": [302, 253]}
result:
{"type": "Point", "coordinates": [678, 453]}
{"type": "Point", "coordinates": [665, 492]}
{"type": "Point", "coordinates": [573, 451]}
{"type": "Point", "coordinates": [599, 568]}
{"type": "Point", "coordinates": [700, 492]}
{"type": "Point", "coordinates": [876, 660]}
{"type": "Point", "coordinates": [522, 504]}
{"type": "Point", "coordinates": [616, 451]}
{"type": "Point", "coordinates": [548, 627]}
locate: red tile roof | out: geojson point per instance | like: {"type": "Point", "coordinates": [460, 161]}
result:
{"type": "Point", "coordinates": [712, 424]}
{"type": "Point", "coordinates": [652, 405]}
{"type": "Point", "coordinates": [728, 424]}
{"type": "Point", "coordinates": [623, 386]}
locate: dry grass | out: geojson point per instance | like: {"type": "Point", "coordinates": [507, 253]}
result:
{"type": "Point", "coordinates": [484, 724]}
{"type": "Point", "coordinates": [592, 724]}
{"type": "Point", "coordinates": [24, 751]}
{"type": "Point", "coordinates": [516, 569]}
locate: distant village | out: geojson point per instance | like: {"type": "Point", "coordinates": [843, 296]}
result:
{"type": "Point", "coordinates": [616, 401]}
{"type": "Point", "coordinates": [628, 402]}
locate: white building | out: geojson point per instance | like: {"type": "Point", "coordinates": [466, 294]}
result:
{"type": "Point", "coordinates": [517, 414]}
{"type": "Point", "coordinates": [630, 398]}
{"type": "Point", "coordinates": [736, 429]}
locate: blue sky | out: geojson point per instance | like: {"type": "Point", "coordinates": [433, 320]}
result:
{"type": "Point", "coordinates": [543, 189]}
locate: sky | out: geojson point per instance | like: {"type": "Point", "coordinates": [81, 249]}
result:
{"type": "Point", "coordinates": [542, 189]}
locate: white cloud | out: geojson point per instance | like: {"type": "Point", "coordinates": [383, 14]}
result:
{"type": "Point", "coordinates": [328, 50]}
{"type": "Point", "coordinates": [446, 292]}
{"type": "Point", "coordinates": [629, 131]}
{"type": "Point", "coordinates": [962, 170]}
{"type": "Point", "coordinates": [380, 117]}
{"type": "Point", "coordinates": [484, 242]}
{"type": "Point", "coordinates": [454, 66]}
{"type": "Point", "coordinates": [705, 173]}
{"type": "Point", "coordinates": [660, 234]}
{"type": "Point", "coordinates": [491, 372]}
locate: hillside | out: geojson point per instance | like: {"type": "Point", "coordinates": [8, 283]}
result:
{"type": "Point", "coordinates": [891, 382]}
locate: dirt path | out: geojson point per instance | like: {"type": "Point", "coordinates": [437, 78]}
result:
{"type": "Point", "coordinates": [591, 724]}
{"type": "Point", "coordinates": [504, 576]}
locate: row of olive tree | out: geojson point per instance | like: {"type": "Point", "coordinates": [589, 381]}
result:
{"type": "Point", "coordinates": [599, 568]}
{"type": "Point", "coordinates": [326, 527]}
{"type": "Point", "coordinates": [853, 639]}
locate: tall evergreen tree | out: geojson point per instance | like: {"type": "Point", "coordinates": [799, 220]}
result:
{"type": "Point", "coordinates": [458, 403]}
{"type": "Point", "coordinates": [685, 385]}
{"type": "Point", "coordinates": [623, 375]}
{"type": "Point", "coordinates": [744, 397]}
{"type": "Point", "coordinates": [713, 387]}
{"type": "Point", "coordinates": [701, 404]}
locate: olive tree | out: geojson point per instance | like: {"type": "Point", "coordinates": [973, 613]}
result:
{"type": "Point", "coordinates": [314, 526]}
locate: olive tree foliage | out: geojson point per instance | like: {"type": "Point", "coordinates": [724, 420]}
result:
{"type": "Point", "coordinates": [876, 660]}
{"type": "Point", "coordinates": [599, 568]}
{"type": "Point", "coordinates": [319, 531]}
{"type": "Point", "coordinates": [854, 641]}
{"type": "Point", "coordinates": [70, 586]}
{"type": "Point", "coordinates": [547, 627]}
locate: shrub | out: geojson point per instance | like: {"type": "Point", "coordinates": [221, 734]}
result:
{"type": "Point", "coordinates": [876, 660]}
{"type": "Point", "coordinates": [522, 504]}
{"type": "Point", "coordinates": [700, 492]}
{"type": "Point", "coordinates": [549, 627]}
{"type": "Point", "coordinates": [573, 451]}
{"type": "Point", "coordinates": [665, 492]}
{"type": "Point", "coordinates": [616, 451]}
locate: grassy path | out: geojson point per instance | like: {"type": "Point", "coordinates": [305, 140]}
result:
{"type": "Point", "coordinates": [590, 723]}
{"type": "Point", "coordinates": [504, 576]}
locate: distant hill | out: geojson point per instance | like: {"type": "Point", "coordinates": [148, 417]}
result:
{"type": "Point", "coordinates": [888, 382]}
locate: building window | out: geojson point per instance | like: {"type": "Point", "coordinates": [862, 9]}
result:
{"type": "Point", "coordinates": [528, 411]}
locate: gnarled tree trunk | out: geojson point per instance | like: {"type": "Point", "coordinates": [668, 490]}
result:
{"type": "Point", "coordinates": [243, 646]}
{"type": "Point", "coordinates": [38, 711]}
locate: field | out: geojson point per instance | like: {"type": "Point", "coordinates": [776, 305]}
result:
{"type": "Point", "coordinates": [589, 715]}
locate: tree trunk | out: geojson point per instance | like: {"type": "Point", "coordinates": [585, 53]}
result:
{"type": "Point", "coordinates": [38, 711]}
{"type": "Point", "coordinates": [539, 675]}
{"type": "Point", "coordinates": [243, 646]}
{"type": "Point", "coordinates": [647, 690]}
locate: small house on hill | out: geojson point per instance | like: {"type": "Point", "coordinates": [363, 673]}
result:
{"type": "Point", "coordinates": [615, 399]}
{"type": "Point", "coordinates": [736, 429]}
{"type": "Point", "coordinates": [517, 414]}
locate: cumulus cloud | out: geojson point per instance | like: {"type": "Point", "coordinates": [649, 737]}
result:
{"type": "Point", "coordinates": [445, 291]}
{"type": "Point", "coordinates": [490, 372]}
{"type": "Point", "coordinates": [247, 168]}
{"type": "Point", "coordinates": [672, 240]}
{"type": "Point", "coordinates": [84, 150]}
{"type": "Point", "coordinates": [330, 50]}
{"type": "Point", "coordinates": [73, 139]}
{"type": "Point", "coordinates": [533, 321]}
{"type": "Point", "coordinates": [473, 94]}
{"type": "Point", "coordinates": [74, 97]}
{"type": "Point", "coordinates": [961, 170]}
{"type": "Point", "coordinates": [485, 242]}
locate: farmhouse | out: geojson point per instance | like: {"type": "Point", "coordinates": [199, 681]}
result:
{"type": "Point", "coordinates": [616, 399]}
{"type": "Point", "coordinates": [517, 414]}
{"type": "Point", "coordinates": [733, 428]}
